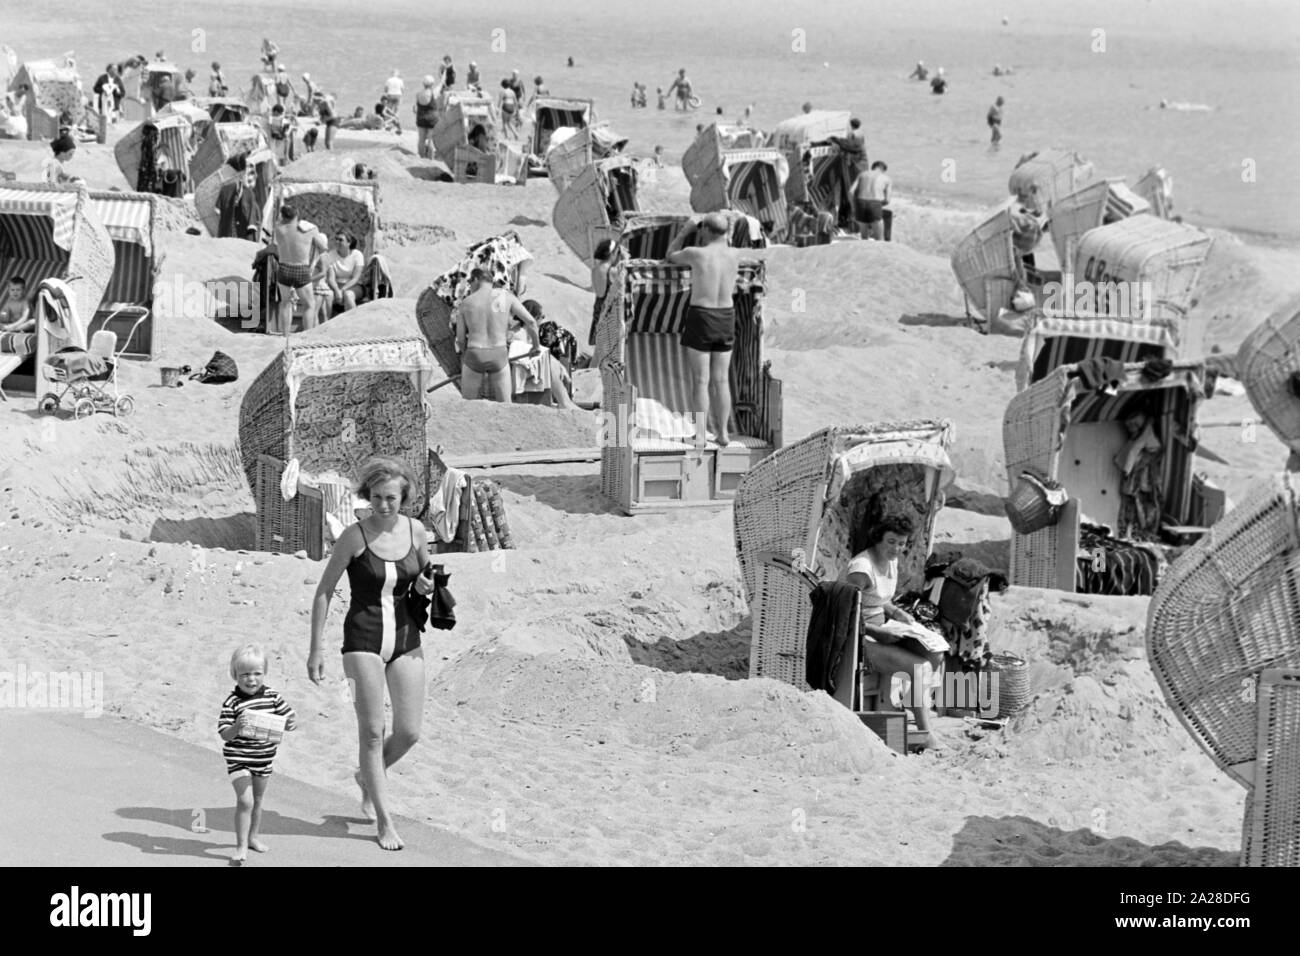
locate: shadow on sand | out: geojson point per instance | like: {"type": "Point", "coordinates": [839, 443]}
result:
{"type": "Point", "coordinates": [234, 532]}
{"type": "Point", "coordinates": [1021, 841]}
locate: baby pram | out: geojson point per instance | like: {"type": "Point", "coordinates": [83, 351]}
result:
{"type": "Point", "coordinates": [88, 375]}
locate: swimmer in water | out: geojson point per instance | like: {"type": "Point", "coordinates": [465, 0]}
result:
{"type": "Point", "coordinates": [1185, 107]}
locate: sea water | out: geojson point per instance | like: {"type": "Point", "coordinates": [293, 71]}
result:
{"type": "Point", "coordinates": [1088, 76]}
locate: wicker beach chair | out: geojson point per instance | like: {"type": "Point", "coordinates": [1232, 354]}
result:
{"type": "Point", "coordinates": [555, 112]}
{"type": "Point", "coordinates": [208, 191]}
{"type": "Point", "coordinates": [1099, 203]}
{"type": "Point", "coordinates": [567, 158]}
{"type": "Point", "coordinates": [1054, 337]}
{"type": "Point", "coordinates": [458, 120]}
{"type": "Point", "coordinates": [595, 203]}
{"type": "Point", "coordinates": [1144, 269]}
{"type": "Point", "coordinates": [224, 140]}
{"type": "Point", "coordinates": [1268, 364]}
{"type": "Point", "coordinates": [332, 206]}
{"type": "Point", "coordinates": [987, 265]}
{"type": "Point", "coordinates": [647, 463]}
{"type": "Point", "coordinates": [748, 179]}
{"type": "Point", "coordinates": [54, 87]}
{"type": "Point", "coordinates": [817, 168]}
{"type": "Point", "coordinates": [1222, 637]}
{"type": "Point", "coordinates": [49, 232]}
{"type": "Point", "coordinates": [176, 142]}
{"type": "Point", "coordinates": [1058, 430]}
{"type": "Point", "coordinates": [1157, 188]}
{"type": "Point", "coordinates": [1042, 178]}
{"type": "Point", "coordinates": [504, 257]}
{"type": "Point", "coordinates": [800, 514]}
{"type": "Point", "coordinates": [330, 406]}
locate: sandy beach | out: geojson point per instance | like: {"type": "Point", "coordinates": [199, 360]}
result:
{"type": "Point", "coordinates": [592, 706]}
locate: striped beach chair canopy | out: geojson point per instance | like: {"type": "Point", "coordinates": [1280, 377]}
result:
{"type": "Point", "coordinates": [554, 112]}
{"type": "Point", "coordinates": [129, 219]}
{"type": "Point", "coordinates": [37, 228]}
{"type": "Point", "coordinates": [655, 297]}
{"type": "Point", "coordinates": [1053, 339]}
{"type": "Point", "coordinates": [222, 109]}
{"type": "Point", "coordinates": [223, 141]}
{"type": "Point", "coordinates": [175, 141]}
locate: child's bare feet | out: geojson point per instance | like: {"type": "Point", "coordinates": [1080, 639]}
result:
{"type": "Point", "coordinates": [388, 838]}
{"type": "Point", "coordinates": [367, 805]}
{"type": "Point", "coordinates": [256, 844]}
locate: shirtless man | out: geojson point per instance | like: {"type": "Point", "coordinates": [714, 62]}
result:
{"type": "Point", "coordinates": [481, 323]}
{"type": "Point", "coordinates": [297, 251]}
{"type": "Point", "coordinates": [710, 327]}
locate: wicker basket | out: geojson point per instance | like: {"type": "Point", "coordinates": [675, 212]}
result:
{"type": "Point", "coordinates": [1034, 503]}
{"type": "Point", "coordinates": [1267, 361]}
{"type": "Point", "coordinates": [1013, 683]}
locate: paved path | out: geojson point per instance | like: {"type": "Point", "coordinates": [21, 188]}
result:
{"type": "Point", "coordinates": [106, 792]}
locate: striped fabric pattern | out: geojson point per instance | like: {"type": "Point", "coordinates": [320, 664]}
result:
{"type": "Point", "coordinates": [655, 296]}
{"type": "Point", "coordinates": [127, 219]}
{"type": "Point", "coordinates": [755, 190]}
{"type": "Point", "coordinates": [131, 282]}
{"type": "Point", "coordinates": [32, 270]}
{"type": "Point", "coordinates": [550, 118]}
{"type": "Point", "coordinates": [1069, 349]}
{"type": "Point", "coordinates": [824, 177]}
{"type": "Point", "coordinates": [58, 209]}
{"type": "Point", "coordinates": [17, 343]}
{"type": "Point", "coordinates": [649, 240]}
{"type": "Point", "coordinates": [256, 755]}
{"type": "Point", "coordinates": [620, 187]}
{"type": "Point", "coordinates": [656, 365]}
{"type": "Point", "coordinates": [1174, 410]}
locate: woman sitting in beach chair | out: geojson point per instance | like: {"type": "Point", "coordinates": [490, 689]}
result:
{"type": "Point", "coordinates": [538, 379]}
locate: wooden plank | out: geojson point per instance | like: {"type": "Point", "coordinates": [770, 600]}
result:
{"type": "Point", "coordinates": [541, 456]}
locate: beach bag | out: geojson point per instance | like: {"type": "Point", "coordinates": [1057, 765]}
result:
{"type": "Point", "coordinates": [220, 369]}
{"type": "Point", "coordinates": [1035, 503]}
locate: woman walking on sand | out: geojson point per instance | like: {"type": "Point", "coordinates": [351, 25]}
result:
{"type": "Point", "coordinates": [385, 559]}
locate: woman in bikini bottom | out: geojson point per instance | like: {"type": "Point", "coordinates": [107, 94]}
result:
{"type": "Point", "coordinates": [709, 329]}
{"type": "Point", "coordinates": [487, 361]}
{"type": "Point", "coordinates": [293, 275]}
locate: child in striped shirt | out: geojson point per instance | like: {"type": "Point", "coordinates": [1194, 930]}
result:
{"type": "Point", "coordinates": [249, 753]}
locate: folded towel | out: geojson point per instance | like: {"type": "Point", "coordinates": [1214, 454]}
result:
{"type": "Point", "coordinates": [289, 480]}
{"type": "Point", "coordinates": [444, 504]}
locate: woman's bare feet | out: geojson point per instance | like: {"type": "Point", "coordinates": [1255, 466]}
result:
{"type": "Point", "coordinates": [254, 843]}
{"type": "Point", "coordinates": [367, 805]}
{"type": "Point", "coordinates": [388, 838]}
{"type": "Point", "coordinates": [239, 858]}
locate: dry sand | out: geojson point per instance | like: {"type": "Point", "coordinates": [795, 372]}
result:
{"type": "Point", "coordinates": [590, 707]}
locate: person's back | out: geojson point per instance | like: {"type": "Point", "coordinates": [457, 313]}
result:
{"type": "Point", "coordinates": [486, 316]}
{"type": "Point", "coordinates": [877, 185]}
{"type": "Point", "coordinates": [713, 273]}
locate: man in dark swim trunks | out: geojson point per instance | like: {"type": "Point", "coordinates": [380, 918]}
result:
{"type": "Point", "coordinates": [481, 323]}
{"type": "Point", "coordinates": [710, 326]}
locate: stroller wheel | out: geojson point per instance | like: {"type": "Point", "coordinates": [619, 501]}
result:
{"type": "Point", "coordinates": [49, 403]}
{"type": "Point", "coordinates": [124, 406]}
{"type": "Point", "coordinates": [84, 408]}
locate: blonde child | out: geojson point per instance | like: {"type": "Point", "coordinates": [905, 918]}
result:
{"type": "Point", "coordinates": [248, 756]}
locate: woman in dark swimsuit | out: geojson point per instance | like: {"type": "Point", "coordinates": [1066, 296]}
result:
{"type": "Point", "coordinates": [383, 556]}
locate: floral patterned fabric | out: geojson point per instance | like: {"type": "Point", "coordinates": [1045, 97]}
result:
{"type": "Point", "coordinates": [500, 256]}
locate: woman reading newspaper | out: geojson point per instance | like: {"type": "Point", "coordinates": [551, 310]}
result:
{"type": "Point", "coordinates": [892, 640]}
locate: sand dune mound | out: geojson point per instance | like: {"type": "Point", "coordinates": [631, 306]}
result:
{"type": "Point", "coordinates": [852, 293]}
{"type": "Point", "coordinates": [677, 714]}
